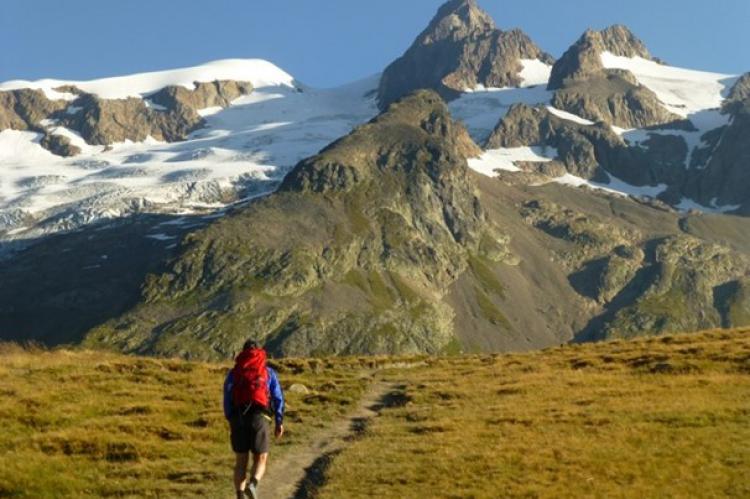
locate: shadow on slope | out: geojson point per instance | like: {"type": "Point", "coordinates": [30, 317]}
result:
{"type": "Point", "coordinates": [60, 286]}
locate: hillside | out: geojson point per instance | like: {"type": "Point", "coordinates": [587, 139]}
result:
{"type": "Point", "coordinates": [665, 416]}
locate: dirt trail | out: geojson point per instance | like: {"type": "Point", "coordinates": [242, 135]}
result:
{"type": "Point", "coordinates": [290, 476]}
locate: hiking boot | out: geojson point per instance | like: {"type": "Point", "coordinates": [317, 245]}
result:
{"type": "Point", "coordinates": [251, 491]}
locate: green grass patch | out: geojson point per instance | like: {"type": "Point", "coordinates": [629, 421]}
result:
{"type": "Point", "coordinates": [482, 270]}
{"type": "Point", "coordinates": [490, 311]}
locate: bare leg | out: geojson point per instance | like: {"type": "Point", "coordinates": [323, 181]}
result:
{"type": "Point", "coordinates": [240, 470]}
{"type": "Point", "coordinates": [259, 466]}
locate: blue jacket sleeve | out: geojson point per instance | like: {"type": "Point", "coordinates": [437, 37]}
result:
{"type": "Point", "coordinates": [228, 383]}
{"type": "Point", "coordinates": [277, 396]}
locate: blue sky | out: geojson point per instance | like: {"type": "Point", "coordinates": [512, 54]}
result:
{"type": "Point", "coordinates": [327, 42]}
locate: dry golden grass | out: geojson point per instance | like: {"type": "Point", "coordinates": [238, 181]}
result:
{"type": "Point", "coordinates": [667, 417]}
{"type": "Point", "coordinates": [91, 424]}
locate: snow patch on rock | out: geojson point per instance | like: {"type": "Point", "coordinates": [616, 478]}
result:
{"type": "Point", "coordinates": [684, 92]}
{"type": "Point", "coordinates": [535, 72]}
{"type": "Point", "coordinates": [505, 159]}
{"type": "Point", "coordinates": [569, 116]}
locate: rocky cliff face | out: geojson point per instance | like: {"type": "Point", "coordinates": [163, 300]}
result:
{"type": "Point", "coordinates": [460, 49]}
{"type": "Point", "coordinates": [354, 254]}
{"type": "Point", "coordinates": [169, 115]}
{"type": "Point", "coordinates": [588, 151]}
{"type": "Point", "coordinates": [584, 87]}
{"type": "Point", "coordinates": [739, 93]}
{"type": "Point", "coordinates": [724, 180]}
{"type": "Point", "coordinates": [23, 109]}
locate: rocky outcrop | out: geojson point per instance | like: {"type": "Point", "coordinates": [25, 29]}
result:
{"type": "Point", "coordinates": [614, 97]}
{"type": "Point", "coordinates": [619, 269]}
{"type": "Point", "coordinates": [460, 49]}
{"type": "Point", "coordinates": [24, 109]}
{"type": "Point", "coordinates": [588, 151]}
{"type": "Point", "coordinates": [59, 145]}
{"type": "Point", "coordinates": [203, 96]}
{"type": "Point", "coordinates": [639, 279]}
{"type": "Point", "coordinates": [106, 121]}
{"type": "Point", "coordinates": [589, 238]}
{"type": "Point", "coordinates": [353, 254]}
{"type": "Point", "coordinates": [683, 293]}
{"type": "Point", "coordinates": [584, 87]}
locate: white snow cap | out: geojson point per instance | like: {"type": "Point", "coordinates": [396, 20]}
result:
{"type": "Point", "coordinates": [259, 72]}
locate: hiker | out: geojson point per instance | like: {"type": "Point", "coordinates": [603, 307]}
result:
{"type": "Point", "coordinates": [252, 399]}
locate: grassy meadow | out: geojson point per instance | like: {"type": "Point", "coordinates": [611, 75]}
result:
{"type": "Point", "coordinates": [661, 417]}
{"type": "Point", "coordinates": [92, 424]}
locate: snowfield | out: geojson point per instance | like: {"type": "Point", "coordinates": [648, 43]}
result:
{"type": "Point", "coordinates": [683, 91]}
{"type": "Point", "coordinates": [244, 151]}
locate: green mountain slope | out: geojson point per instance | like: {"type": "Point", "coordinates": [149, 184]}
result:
{"type": "Point", "coordinates": [354, 253]}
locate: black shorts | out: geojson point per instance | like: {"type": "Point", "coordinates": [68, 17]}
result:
{"type": "Point", "coordinates": [250, 433]}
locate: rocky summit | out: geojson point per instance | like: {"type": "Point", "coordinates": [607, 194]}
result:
{"type": "Point", "coordinates": [460, 49]}
{"type": "Point", "coordinates": [584, 87]}
{"type": "Point", "coordinates": [582, 59]}
{"type": "Point", "coordinates": [477, 196]}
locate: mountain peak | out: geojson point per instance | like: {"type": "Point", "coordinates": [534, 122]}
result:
{"type": "Point", "coordinates": [583, 58]}
{"type": "Point", "coordinates": [457, 19]}
{"type": "Point", "coordinates": [619, 40]}
{"type": "Point", "coordinates": [460, 49]}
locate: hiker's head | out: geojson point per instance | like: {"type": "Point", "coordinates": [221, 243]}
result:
{"type": "Point", "coordinates": [251, 343]}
